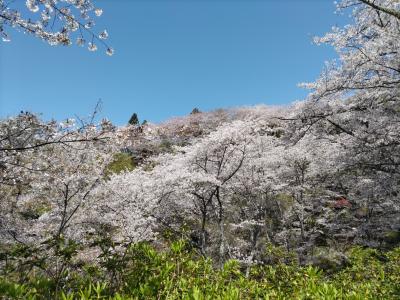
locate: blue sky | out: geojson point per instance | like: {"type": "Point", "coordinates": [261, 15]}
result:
{"type": "Point", "coordinates": [172, 56]}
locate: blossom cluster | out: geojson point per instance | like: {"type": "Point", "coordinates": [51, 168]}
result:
{"type": "Point", "coordinates": [56, 22]}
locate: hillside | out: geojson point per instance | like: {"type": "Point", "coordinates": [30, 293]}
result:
{"type": "Point", "coordinates": [294, 202]}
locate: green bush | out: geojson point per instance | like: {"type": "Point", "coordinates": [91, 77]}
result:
{"type": "Point", "coordinates": [142, 272]}
{"type": "Point", "coordinates": [121, 162]}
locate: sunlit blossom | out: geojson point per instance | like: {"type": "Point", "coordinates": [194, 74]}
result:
{"type": "Point", "coordinates": [98, 12]}
{"type": "Point", "coordinates": [92, 47]}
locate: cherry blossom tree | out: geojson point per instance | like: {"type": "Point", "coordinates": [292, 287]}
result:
{"type": "Point", "coordinates": [48, 173]}
{"type": "Point", "coordinates": [202, 186]}
{"type": "Point", "coordinates": [354, 104]}
{"type": "Point", "coordinates": [55, 22]}
{"type": "Point", "coordinates": [25, 136]}
{"type": "Point", "coordinates": [357, 97]}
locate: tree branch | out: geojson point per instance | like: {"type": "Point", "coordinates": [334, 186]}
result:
{"type": "Point", "coordinates": [389, 11]}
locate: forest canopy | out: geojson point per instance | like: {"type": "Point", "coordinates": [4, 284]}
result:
{"type": "Point", "coordinates": [260, 199]}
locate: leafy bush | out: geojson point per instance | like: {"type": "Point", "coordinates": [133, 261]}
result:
{"type": "Point", "coordinates": [142, 272]}
{"type": "Point", "coordinates": [121, 162]}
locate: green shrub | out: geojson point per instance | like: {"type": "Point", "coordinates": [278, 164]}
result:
{"type": "Point", "coordinates": [142, 272]}
{"type": "Point", "coordinates": [121, 162]}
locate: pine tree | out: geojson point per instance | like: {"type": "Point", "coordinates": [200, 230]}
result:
{"type": "Point", "coordinates": [195, 111]}
{"type": "Point", "coordinates": [134, 120]}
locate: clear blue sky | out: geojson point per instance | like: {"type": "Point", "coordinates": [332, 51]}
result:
{"type": "Point", "coordinates": [172, 56]}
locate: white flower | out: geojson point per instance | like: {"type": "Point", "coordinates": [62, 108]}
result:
{"type": "Point", "coordinates": [92, 47]}
{"type": "Point", "coordinates": [110, 51]}
{"type": "Point", "coordinates": [103, 35]}
{"type": "Point", "coordinates": [65, 11]}
{"type": "Point", "coordinates": [98, 12]}
{"type": "Point", "coordinates": [74, 25]}
{"type": "Point", "coordinates": [5, 37]}
{"type": "Point", "coordinates": [45, 16]}
{"type": "Point", "coordinates": [80, 41]}
{"type": "Point", "coordinates": [32, 6]}
{"type": "Point", "coordinates": [89, 24]}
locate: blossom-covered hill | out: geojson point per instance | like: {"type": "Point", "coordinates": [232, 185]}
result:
{"type": "Point", "coordinates": [258, 185]}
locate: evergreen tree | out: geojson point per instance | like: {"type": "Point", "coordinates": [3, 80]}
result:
{"type": "Point", "coordinates": [195, 111]}
{"type": "Point", "coordinates": [134, 120]}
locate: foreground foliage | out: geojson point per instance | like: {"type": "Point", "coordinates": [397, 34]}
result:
{"type": "Point", "coordinates": [142, 272]}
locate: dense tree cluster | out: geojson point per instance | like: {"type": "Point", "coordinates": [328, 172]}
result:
{"type": "Point", "coordinates": [313, 179]}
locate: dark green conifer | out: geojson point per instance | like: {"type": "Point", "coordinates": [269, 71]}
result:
{"type": "Point", "coordinates": [134, 120]}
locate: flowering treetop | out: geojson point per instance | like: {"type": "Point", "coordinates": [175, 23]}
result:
{"type": "Point", "coordinates": [57, 22]}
